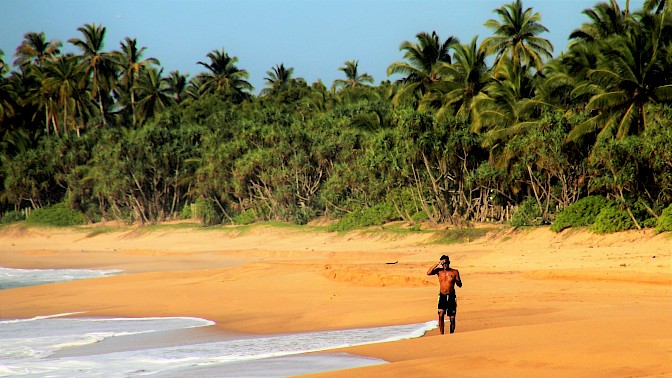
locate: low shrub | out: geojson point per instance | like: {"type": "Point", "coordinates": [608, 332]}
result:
{"type": "Point", "coordinates": [420, 216]}
{"type": "Point", "coordinates": [664, 222]}
{"type": "Point", "coordinates": [246, 217]}
{"type": "Point", "coordinates": [186, 212]}
{"type": "Point", "coordinates": [378, 214]}
{"type": "Point", "coordinates": [580, 213]}
{"type": "Point", "coordinates": [527, 214]}
{"type": "Point", "coordinates": [649, 222]}
{"type": "Point", "coordinates": [303, 215]}
{"type": "Point", "coordinates": [206, 210]}
{"type": "Point", "coordinates": [611, 219]}
{"type": "Point", "coordinates": [56, 215]}
{"type": "Point", "coordinates": [12, 216]}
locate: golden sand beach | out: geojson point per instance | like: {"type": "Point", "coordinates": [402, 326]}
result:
{"type": "Point", "coordinates": [534, 303]}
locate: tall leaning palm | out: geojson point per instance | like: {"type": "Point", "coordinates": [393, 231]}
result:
{"type": "Point", "coordinates": [422, 66]}
{"type": "Point", "coordinates": [223, 76]}
{"type": "Point", "coordinates": [99, 65]}
{"type": "Point", "coordinates": [352, 77]}
{"type": "Point", "coordinates": [516, 36]}
{"type": "Point", "coordinates": [131, 64]}
{"type": "Point", "coordinates": [35, 49]}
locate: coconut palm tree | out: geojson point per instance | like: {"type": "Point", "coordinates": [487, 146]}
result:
{"type": "Point", "coordinates": [177, 85]}
{"type": "Point", "coordinates": [567, 77]}
{"type": "Point", "coordinates": [422, 66]}
{"type": "Point", "coordinates": [67, 81]}
{"type": "Point", "coordinates": [567, 72]}
{"type": "Point", "coordinates": [223, 76]}
{"type": "Point", "coordinates": [320, 98]}
{"type": "Point", "coordinates": [38, 96]}
{"type": "Point", "coordinates": [154, 93]}
{"type": "Point", "coordinates": [35, 49]}
{"type": "Point", "coordinates": [8, 93]}
{"type": "Point", "coordinates": [131, 64]}
{"type": "Point", "coordinates": [631, 72]}
{"type": "Point", "coordinates": [277, 79]}
{"type": "Point", "coordinates": [465, 79]}
{"type": "Point", "coordinates": [516, 36]}
{"type": "Point", "coordinates": [657, 6]}
{"type": "Point", "coordinates": [352, 77]}
{"type": "Point", "coordinates": [3, 66]}
{"type": "Point", "coordinates": [605, 20]}
{"type": "Point", "coordinates": [99, 65]}
{"type": "Point", "coordinates": [504, 104]}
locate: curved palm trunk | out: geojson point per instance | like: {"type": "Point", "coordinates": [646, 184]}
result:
{"type": "Point", "coordinates": [46, 117]}
{"type": "Point", "coordinates": [102, 108]}
{"type": "Point", "coordinates": [65, 116]}
{"type": "Point", "coordinates": [135, 118]}
{"type": "Point", "coordinates": [100, 96]}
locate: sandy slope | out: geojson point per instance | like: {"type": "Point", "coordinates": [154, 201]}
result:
{"type": "Point", "coordinates": [534, 303]}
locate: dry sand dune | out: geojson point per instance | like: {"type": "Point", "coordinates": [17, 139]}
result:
{"type": "Point", "coordinates": [534, 303]}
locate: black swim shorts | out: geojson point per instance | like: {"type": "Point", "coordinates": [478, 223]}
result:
{"type": "Point", "coordinates": [448, 303]}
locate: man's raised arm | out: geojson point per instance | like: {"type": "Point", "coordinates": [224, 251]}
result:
{"type": "Point", "coordinates": [432, 270]}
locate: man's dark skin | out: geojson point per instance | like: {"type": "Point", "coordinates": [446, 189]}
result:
{"type": "Point", "coordinates": [448, 278]}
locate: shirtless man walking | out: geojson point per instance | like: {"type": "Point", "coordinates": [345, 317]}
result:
{"type": "Point", "coordinates": [448, 278]}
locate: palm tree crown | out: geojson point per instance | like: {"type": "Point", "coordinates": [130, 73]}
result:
{"type": "Point", "coordinates": [423, 64]}
{"type": "Point", "coordinates": [177, 84]}
{"type": "Point", "coordinates": [465, 77]}
{"type": "Point", "coordinates": [277, 78]}
{"type": "Point", "coordinates": [223, 75]}
{"type": "Point", "coordinates": [35, 49]}
{"type": "Point", "coordinates": [516, 36]}
{"type": "Point", "coordinates": [3, 66]}
{"type": "Point", "coordinates": [154, 93]}
{"type": "Point", "coordinates": [352, 77]}
{"type": "Point", "coordinates": [66, 81]}
{"type": "Point", "coordinates": [99, 65]}
{"type": "Point", "coordinates": [129, 60]}
{"type": "Point", "coordinates": [659, 6]}
{"type": "Point", "coordinates": [630, 73]}
{"type": "Point", "coordinates": [606, 19]}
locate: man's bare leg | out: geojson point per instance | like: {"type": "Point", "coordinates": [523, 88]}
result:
{"type": "Point", "coordinates": [441, 321]}
{"type": "Point", "coordinates": [452, 324]}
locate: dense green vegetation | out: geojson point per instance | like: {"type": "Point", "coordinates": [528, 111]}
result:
{"type": "Point", "coordinates": [56, 215]}
{"type": "Point", "coordinates": [470, 132]}
{"type": "Point", "coordinates": [580, 213]}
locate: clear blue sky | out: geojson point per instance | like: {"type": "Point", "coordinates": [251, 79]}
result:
{"type": "Point", "coordinates": [314, 36]}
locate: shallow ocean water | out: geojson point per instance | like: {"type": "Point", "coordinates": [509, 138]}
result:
{"type": "Point", "coordinates": [30, 349]}
{"type": "Point", "coordinates": [13, 278]}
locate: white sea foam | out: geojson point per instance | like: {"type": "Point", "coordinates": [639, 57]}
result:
{"type": "Point", "coordinates": [28, 344]}
{"type": "Point", "coordinates": [13, 278]}
{"type": "Point", "coordinates": [40, 337]}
